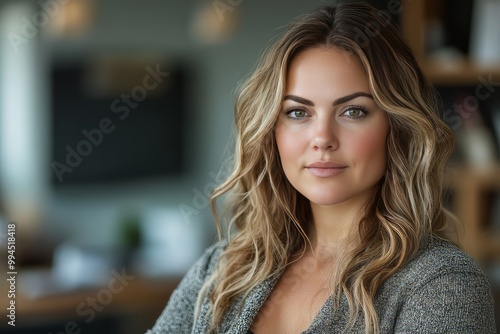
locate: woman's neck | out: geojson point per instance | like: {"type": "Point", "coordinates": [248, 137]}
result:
{"type": "Point", "coordinates": [333, 225]}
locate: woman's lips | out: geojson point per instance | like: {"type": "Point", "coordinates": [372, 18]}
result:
{"type": "Point", "coordinates": [325, 168]}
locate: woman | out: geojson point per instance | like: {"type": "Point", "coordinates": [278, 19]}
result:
{"type": "Point", "coordinates": [335, 198]}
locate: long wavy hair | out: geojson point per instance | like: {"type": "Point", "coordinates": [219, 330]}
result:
{"type": "Point", "coordinates": [267, 217]}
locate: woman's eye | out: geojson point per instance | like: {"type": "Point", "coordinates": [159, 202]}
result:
{"type": "Point", "coordinates": [296, 114]}
{"type": "Point", "coordinates": [355, 113]}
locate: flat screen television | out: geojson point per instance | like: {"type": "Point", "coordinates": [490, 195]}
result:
{"type": "Point", "coordinates": [116, 119]}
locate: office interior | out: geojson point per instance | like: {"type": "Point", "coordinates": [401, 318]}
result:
{"type": "Point", "coordinates": [116, 123]}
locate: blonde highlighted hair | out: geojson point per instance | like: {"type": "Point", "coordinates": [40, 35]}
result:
{"type": "Point", "coordinates": [269, 217]}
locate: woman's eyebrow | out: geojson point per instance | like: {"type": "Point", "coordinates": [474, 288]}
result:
{"type": "Point", "coordinates": [350, 97]}
{"type": "Point", "coordinates": [300, 100]}
{"type": "Point", "coordinates": [338, 101]}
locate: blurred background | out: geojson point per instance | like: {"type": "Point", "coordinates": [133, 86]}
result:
{"type": "Point", "coordinates": [116, 123]}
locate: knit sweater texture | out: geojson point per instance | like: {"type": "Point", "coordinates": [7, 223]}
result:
{"type": "Point", "coordinates": [441, 290]}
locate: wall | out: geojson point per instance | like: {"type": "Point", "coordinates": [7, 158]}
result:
{"type": "Point", "coordinates": [93, 213]}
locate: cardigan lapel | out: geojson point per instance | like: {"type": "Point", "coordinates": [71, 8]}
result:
{"type": "Point", "coordinates": [235, 323]}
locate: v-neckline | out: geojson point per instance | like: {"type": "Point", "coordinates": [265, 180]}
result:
{"type": "Point", "coordinates": [262, 292]}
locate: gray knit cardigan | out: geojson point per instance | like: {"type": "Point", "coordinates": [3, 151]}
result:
{"type": "Point", "coordinates": [441, 290]}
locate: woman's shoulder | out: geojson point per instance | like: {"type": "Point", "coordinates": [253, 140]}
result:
{"type": "Point", "coordinates": [208, 261]}
{"type": "Point", "coordinates": [204, 266]}
{"type": "Point", "coordinates": [438, 256]}
{"type": "Point", "coordinates": [442, 289]}
{"type": "Point", "coordinates": [438, 263]}
{"type": "Point", "coordinates": [178, 314]}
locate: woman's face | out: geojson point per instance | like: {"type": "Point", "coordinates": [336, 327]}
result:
{"type": "Point", "coordinates": [331, 135]}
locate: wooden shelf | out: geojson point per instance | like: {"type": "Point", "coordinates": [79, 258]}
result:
{"type": "Point", "coordinates": [447, 72]}
{"type": "Point", "coordinates": [459, 73]}
{"type": "Point", "coordinates": [469, 186]}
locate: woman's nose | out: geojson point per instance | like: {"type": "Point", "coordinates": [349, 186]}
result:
{"type": "Point", "coordinates": [324, 135]}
